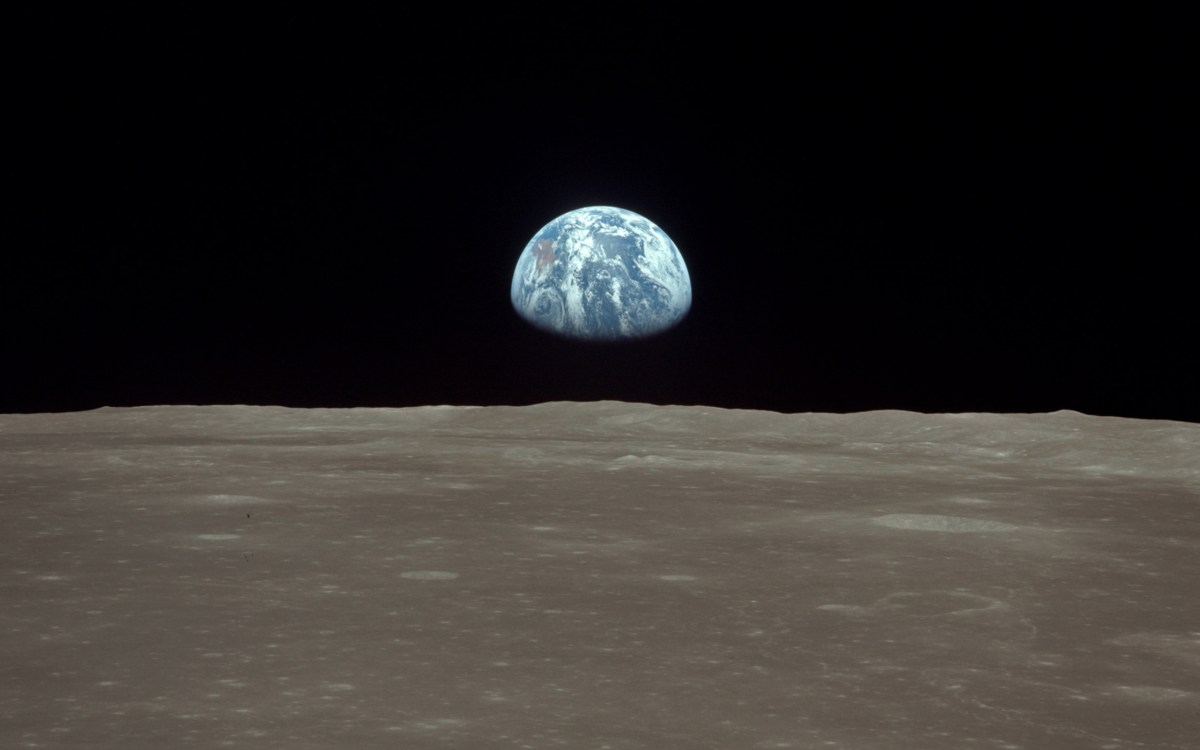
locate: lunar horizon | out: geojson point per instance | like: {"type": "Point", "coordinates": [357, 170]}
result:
{"type": "Point", "coordinates": [597, 574]}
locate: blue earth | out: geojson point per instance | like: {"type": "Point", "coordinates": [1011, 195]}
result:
{"type": "Point", "coordinates": [601, 274]}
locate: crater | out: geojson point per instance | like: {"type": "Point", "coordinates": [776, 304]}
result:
{"type": "Point", "coordinates": [935, 603]}
{"type": "Point", "coordinates": [429, 575]}
{"type": "Point", "coordinates": [231, 500]}
{"type": "Point", "coordinates": [951, 524]}
{"type": "Point", "coordinates": [1152, 693]}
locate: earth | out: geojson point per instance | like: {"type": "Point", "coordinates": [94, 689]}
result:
{"type": "Point", "coordinates": [601, 274]}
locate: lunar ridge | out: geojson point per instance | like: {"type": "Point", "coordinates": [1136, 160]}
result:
{"type": "Point", "coordinates": [597, 574]}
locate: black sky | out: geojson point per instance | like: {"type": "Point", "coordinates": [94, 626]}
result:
{"type": "Point", "coordinates": [964, 211]}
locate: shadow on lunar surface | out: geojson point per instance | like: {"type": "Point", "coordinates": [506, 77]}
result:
{"type": "Point", "coordinates": [597, 574]}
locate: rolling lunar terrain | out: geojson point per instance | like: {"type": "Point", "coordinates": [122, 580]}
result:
{"type": "Point", "coordinates": [597, 575]}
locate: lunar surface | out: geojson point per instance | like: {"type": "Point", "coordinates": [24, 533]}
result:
{"type": "Point", "coordinates": [597, 575]}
